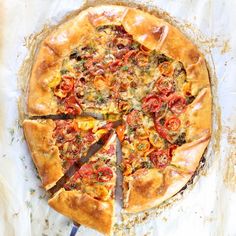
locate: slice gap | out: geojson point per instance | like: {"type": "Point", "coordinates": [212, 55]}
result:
{"type": "Point", "coordinates": [88, 197]}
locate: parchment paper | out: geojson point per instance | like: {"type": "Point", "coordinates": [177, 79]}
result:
{"type": "Point", "coordinates": [208, 205]}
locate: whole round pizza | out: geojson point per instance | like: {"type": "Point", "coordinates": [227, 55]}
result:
{"type": "Point", "coordinates": [151, 86]}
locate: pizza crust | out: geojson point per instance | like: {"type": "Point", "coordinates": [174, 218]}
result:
{"type": "Point", "coordinates": [85, 210]}
{"type": "Point", "coordinates": [43, 150]}
{"type": "Point", "coordinates": [151, 188]}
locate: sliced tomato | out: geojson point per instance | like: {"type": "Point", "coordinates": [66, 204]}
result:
{"type": "Point", "coordinates": [133, 118]}
{"type": "Point", "coordinates": [86, 171]}
{"type": "Point", "coordinates": [160, 158]}
{"type": "Point", "coordinates": [173, 123]}
{"type": "Point", "coordinates": [152, 103]}
{"type": "Point", "coordinates": [141, 58]}
{"type": "Point", "coordinates": [177, 104]}
{"type": "Point", "coordinates": [66, 86]}
{"type": "Point", "coordinates": [104, 174]}
{"type": "Point", "coordinates": [166, 68]}
{"type": "Point", "coordinates": [128, 55]}
{"type": "Point", "coordinates": [111, 150]}
{"type": "Point", "coordinates": [165, 85]}
{"type": "Point", "coordinates": [161, 130]}
{"type": "Point", "coordinates": [115, 65]}
{"type": "Point", "coordinates": [72, 107]}
{"type": "Point", "coordinates": [142, 146]}
{"type": "Point", "coordinates": [89, 137]}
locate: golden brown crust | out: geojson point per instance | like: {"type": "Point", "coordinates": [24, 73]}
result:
{"type": "Point", "coordinates": [85, 210]}
{"type": "Point", "coordinates": [151, 188]}
{"type": "Point", "coordinates": [43, 150]}
{"type": "Point", "coordinates": [199, 116]}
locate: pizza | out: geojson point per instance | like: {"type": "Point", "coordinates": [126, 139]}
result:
{"type": "Point", "coordinates": [56, 145]}
{"type": "Point", "coordinates": [88, 197]}
{"type": "Point", "coordinates": [130, 67]}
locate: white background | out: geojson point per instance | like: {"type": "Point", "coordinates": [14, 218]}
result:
{"type": "Point", "coordinates": [207, 209]}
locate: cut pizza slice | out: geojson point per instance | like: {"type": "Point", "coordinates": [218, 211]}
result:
{"type": "Point", "coordinates": [88, 197]}
{"type": "Point", "coordinates": [159, 160]}
{"type": "Point", "coordinates": [56, 144]}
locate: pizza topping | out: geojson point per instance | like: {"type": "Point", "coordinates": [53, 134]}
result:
{"type": "Point", "coordinates": [165, 85]}
{"type": "Point", "coordinates": [133, 118]}
{"type": "Point", "coordinates": [166, 68]}
{"type": "Point", "coordinates": [152, 103]}
{"type": "Point", "coordinates": [177, 104]}
{"type": "Point", "coordinates": [66, 85]}
{"type": "Point", "coordinates": [142, 146]}
{"type": "Point", "coordinates": [86, 171]}
{"type": "Point", "coordinates": [173, 123]}
{"type": "Point", "coordinates": [104, 174]}
{"type": "Point", "coordinates": [160, 158]}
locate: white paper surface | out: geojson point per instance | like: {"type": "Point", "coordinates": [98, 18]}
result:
{"type": "Point", "coordinates": [208, 209]}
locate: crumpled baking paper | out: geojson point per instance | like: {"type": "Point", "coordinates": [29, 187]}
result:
{"type": "Point", "coordinates": [208, 205]}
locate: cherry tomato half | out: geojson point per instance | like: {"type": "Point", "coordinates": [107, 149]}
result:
{"type": "Point", "coordinates": [152, 103]}
{"type": "Point", "coordinates": [133, 118]}
{"type": "Point", "coordinates": [173, 123]}
{"type": "Point", "coordinates": [160, 158]}
{"type": "Point", "coordinates": [165, 85]}
{"type": "Point", "coordinates": [86, 171]}
{"type": "Point", "coordinates": [104, 174]}
{"type": "Point", "coordinates": [177, 104]}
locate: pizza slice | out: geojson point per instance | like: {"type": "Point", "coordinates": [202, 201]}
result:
{"type": "Point", "coordinates": [159, 156]}
{"type": "Point", "coordinates": [88, 197]}
{"type": "Point", "coordinates": [56, 144]}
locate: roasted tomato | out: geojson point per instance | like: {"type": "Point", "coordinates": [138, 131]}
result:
{"type": "Point", "coordinates": [160, 158]}
{"type": "Point", "coordinates": [161, 130]}
{"type": "Point", "coordinates": [142, 145]}
{"type": "Point", "coordinates": [177, 104]}
{"type": "Point", "coordinates": [166, 68]}
{"type": "Point", "coordinates": [115, 65]}
{"type": "Point", "coordinates": [134, 118]}
{"type": "Point", "coordinates": [100, 82]}
{"type": "Point", "coordinates": [128, 55]}
{"type": "Point", "coordinates": [104, 174]}
{"type": "Point", "coordinates": [86, 171]}
{"type": "Point", "coordinates": [152, 103]}
{"type": "Point", "coordinates": [142, 59]}
{"type": "Point", "coordinates": [165, 85]}
{"type": "Point", "coordinates": [173, 123]}
{"type": "Point", "coordinates": [66, 86]}
{"type": "Point", "coordinates": [171, 149]}
{"type": "Point", "coordinates": [72, 107]}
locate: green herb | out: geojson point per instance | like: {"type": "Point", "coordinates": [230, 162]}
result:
{"type": "Point", "coordinates": [63, 71]}
{"type": "Point", "coordinates": [146, 164]}
{"type": "Point", "coordinates": [130, 130]}
{"type": "Point", "coordinates": [135, 45]}
{"type": "Point", "coordinates": [124, 68]}
{"type": "Point", "coordinates": [141, 146]}
{"type": "Point", "coordinates": [78, 138]}
{"type": "Point", "coordinates": [100, 98]}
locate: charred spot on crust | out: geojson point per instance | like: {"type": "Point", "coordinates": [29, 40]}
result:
{"type": "Point", "coordinates": [194, 56]}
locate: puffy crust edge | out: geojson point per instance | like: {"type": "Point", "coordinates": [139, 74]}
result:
{"type": "Point", "coordinates": [44, 153]}
{"type": "Point", "coordinates": [84, 209]}
{"type": "Point", "coordinates": [145, 192]}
